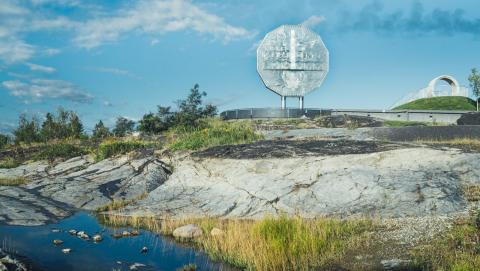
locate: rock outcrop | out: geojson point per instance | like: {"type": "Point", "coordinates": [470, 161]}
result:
{"type": "Point", "coordinates": [80, 182]}
{"type": "Point", "coordinates": [415, 181]}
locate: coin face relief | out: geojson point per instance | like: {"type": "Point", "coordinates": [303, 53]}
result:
{"type": "Point", "coordinates": [292, 60]}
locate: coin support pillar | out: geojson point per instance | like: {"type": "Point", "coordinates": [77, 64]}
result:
{"type": "Point", "coordinates": [284, 102]}
{"type": "Point", "coordinates": [301, 102]}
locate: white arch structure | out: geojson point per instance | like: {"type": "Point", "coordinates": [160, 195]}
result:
{"type": "Point", "coordinates": [447, 78]}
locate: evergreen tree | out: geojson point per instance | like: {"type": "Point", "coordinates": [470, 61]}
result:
{"type": "Point", "coordinates": [49, 128]}
{"type": "Point", "coordinates": [75, 126]}
{"type": "Point", "coordinates": [123, 126]}
{"type": "Point", "coordinates": [100, 131]}
{"type": "Point", "coordinates": [27, 131]}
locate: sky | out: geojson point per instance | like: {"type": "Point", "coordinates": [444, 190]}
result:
{"type": "Point", "coordinates": [105, 59]}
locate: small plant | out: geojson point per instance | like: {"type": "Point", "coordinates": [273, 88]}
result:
{"type": "Point", "coordinates": [110, 148]}
{"type": "Point", "coordinates": [118, 204]}
{"type": "Point", "coordinates": [13, 181]}
{"type": "Point", "coordinates": [9, 162]}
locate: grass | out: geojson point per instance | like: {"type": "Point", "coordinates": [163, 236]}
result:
{"type": "Point", "coordinates": [9, 162]}
{"type": "Point", "coordinates": [440, 103]}
{"type": "Point", "coordinates": [459, 249]}
{"type": "Point", "coordinates": [469, 144]}
{"type": "Point", "coordinates": [472, 192]}
{"type": "Point", "coordinates": [118, 204]}
{"type": "Point", "coordinates": [114, 147]}
{"type": "Point", "coordinates": [60, 150]}
{"type": "Point", "coordinates": [13, 181]}
{"type": "Point", "coordinates": [282, 243]}
{"type": "Point", "coordinates": [211, 132]}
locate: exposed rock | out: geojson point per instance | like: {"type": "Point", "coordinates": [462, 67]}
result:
{"type": "Point", "coordinates": [7, 262]}
{"type": "Point", "coordinates": [97, 238]}
{"type": "Point", "coordinates": [396, 183]}
{"type": "Point", "coordinates": [188, 231]}
{"type": "Point", "coordinates": [77, 182]}
{"type": "Point", "coordinates": [19, 206]}
{"type": "Point", "coordinates": [472, 118]}
{"type": "Point", "coordinates": [295, 148]}
{"type": "Point", "coordinates": [66, 250]}
{"type": "Point", "coordinates": [348, 121]}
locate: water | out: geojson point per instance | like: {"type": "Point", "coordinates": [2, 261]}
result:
{"type": "Point", "coordinates": [36, 243]}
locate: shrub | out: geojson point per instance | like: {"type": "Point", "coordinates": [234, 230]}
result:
{"type": "Point", "coordinates": [4, 140]}
{"type": "Point", "coordinates": [211, 132]}
{"type": "Point", "coordinates": [111, 148]}
{"type": "Point", "coordinates": [59, 150]}
{"type": "Point", "coordinates": [9, 162]}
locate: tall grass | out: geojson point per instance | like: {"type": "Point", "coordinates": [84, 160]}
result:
{"type": "Point", "coordinates": [268, 244]}
{"type": "Point", "coordinates": [211, 132]}
{"type": "Point", "coordinates": [13, 181]}
{"type": "Point", "coordinates": [459, 249]}
{"type": "Point", "coordinates": [9, 162]}
{"type": "Point", "coordinates": [113, 147]}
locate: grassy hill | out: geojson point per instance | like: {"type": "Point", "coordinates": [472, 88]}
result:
{"type": "Point", "coordinates": [440, 103]}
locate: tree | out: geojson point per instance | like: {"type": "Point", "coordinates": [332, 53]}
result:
{"type": "Point", "coordinates": [100, 131]}
{"type": "Point", "coordinates": [156, 123]}
{"type": "Point", "coordinates": [474, 80]}
{"type": "Point", "coordinates": [49, 128]}
{"type": "Point", "coordinates": [123, 126]}
{"type": "Point", "coordinates": [27, 131]}
{"type": "Point", "coordinates": [4, 140]}
{"type": "Point", "coordinates": [191, 109]}
{"type": "Point", "coordinates": [75, 126]}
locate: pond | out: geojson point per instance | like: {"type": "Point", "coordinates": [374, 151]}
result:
{"type": "Point", "coordinates": [36, 244]}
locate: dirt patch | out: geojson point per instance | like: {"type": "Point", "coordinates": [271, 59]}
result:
{"type": "Point", "coordinates": [295, 148]}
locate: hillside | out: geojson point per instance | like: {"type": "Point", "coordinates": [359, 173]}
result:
{"type": "Point", "coordinates": [440, 103]}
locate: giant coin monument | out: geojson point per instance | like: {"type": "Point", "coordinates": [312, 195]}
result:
{"type": "Point", "coordinates": [292, 61]}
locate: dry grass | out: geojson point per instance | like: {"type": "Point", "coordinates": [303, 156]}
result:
{"type": "Point", "coordinates": [472, 192]}
{"type": "Point", "coordinates": [268, 244]}
{"type": "Point", "coordinates": [118, 204]}
{"type": "Point", "coordinates": [13, 181]}
{"type": "Point", "coordinates": [471, 144]}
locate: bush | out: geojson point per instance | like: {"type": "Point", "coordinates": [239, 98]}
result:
{"type": "Point", "coordinates": [211, 132]}
{"type": "Point", "coordinates": [9, 162]}
{"type": "Point", "coordinates": [4, 140]}
{"type": "Point", "coordinates": [111, 148]}
{"type": "Point", "coordinates": [59, 150]}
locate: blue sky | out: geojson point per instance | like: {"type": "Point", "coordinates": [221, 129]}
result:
{"type": "Point", "coordinates": [122, 58]}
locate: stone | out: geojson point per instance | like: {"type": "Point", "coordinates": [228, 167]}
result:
{"type": "Point", "coordinates": [66, 250]}
{"type": "Point", "coordinates": [97, 238]}
{"type": "Point", "coordinates": [136, 266]}
{"type": "Point", "coordinates": [126, 233]}
{"type": "Point", "coordinates": [216, 232]}
{"type": "Point", "coordinates": [57, 242]}
{"type": "Point", "coordinates": [188, 231]}
{"type": "Point", "coordinates": [144, 250]}
{"type": "Point", "coordinates": [472, 118]}
{"type": "Point", "coordinates": [72, 232]}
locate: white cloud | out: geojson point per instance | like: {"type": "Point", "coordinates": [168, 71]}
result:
{"type": "Point", "coordinates": [51, 51]}
{"type": "Point", "coordinates": [14, 50]}
{"type": "Point", "coordinates": [107, 103]}
{"type": "Point", "coordinates": [38, 89]}
{"type": "Point", "coordinates": [313, 21]}
{"type": "Point", "coordinates": [154, 41]}
{"type": "Point", "coordinates": [156, 17]}
{"type": "Point", "coordinates": [40, 68]}
{"type": "Point", "coordinates": [111, 70]}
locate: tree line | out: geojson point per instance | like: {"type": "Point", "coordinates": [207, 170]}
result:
{"type": "Point", "coordinates": [66, 124]}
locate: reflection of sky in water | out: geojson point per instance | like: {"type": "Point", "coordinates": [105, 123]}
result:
{"type": "Point", "coordinates": [36, 244]}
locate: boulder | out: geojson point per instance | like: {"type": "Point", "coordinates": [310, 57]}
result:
{"type": "Point", "coordinates": [188, 231]}
{"type": "Point", "coordinates": [472, 118]}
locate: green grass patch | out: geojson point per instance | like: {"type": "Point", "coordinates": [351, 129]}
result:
{"type": "Point", "coordinates": [113, 147]}
{"type": "Point", "coordinates": [13, 181]}
{"type": "Point", "coordinates": [211, 132]}
{"type": "Point", "coordinates": [440, 103]}
{"type": "Point", "coordinates": [9, 162]}
{"type": "Point", "coordinates": [459, 249]}
{"type": "Point", "coordinates": [59, 150]}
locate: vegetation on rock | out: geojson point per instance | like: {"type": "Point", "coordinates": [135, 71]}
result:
{"type": "Point", "coordinates": [440, 103]}
{"type": "Point", "coordinates": [211, 132]}
{"type": "Point", "coordinates": [113, 147]}
{"type": "Point", "coordinates": [13, 181]}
